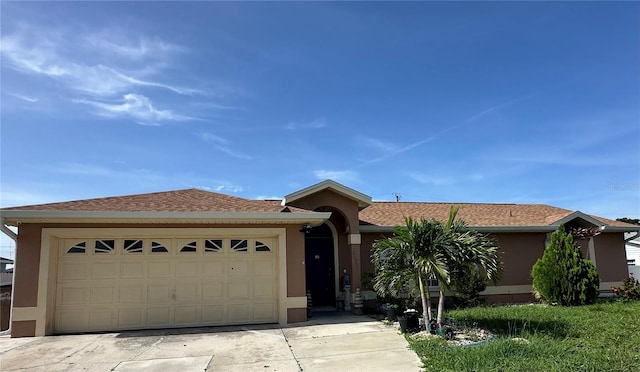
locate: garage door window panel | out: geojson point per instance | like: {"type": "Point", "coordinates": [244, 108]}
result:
{"type": "Point", "coordinates": [157, 247]}
{"type": "Point", "coordinates": [239, 245]}
{"type": "Point", "coordinates": [104, 246]}
{"type": "Point", "coordinates": [133, 246]}
{"type": "Point", "coordinates": [191, 247]}
{"type": "Point", "coordinates": [212, 245]}
{"type": "Point", "coordinates": [80, 247]}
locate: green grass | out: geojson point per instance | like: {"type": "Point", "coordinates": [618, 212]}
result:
{"type": "Point", "coordinates": [601, 337]}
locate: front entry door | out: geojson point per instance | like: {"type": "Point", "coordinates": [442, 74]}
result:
{"type": "Point", "coordinates": [320, 271]}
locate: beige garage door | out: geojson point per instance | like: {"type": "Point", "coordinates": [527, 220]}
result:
{"type": "Point", "coordinates": [134, 283]}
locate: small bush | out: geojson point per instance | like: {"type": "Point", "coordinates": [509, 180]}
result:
{"type": "Point", "coordinates": [468, 283]}
{"type": "Point", "coordinates": [629, 290]}
{"type": "Point", "coordinates": [562, 276]}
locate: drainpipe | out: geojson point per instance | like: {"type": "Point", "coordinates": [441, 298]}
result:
{"type": "Point", "coordinates": [8, 232]}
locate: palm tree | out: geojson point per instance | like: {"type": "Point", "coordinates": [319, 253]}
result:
{"type": "Point", "coordinates": [466, 250]}
{"type": "Point", "coordinates": [430, 249]}
{"type": "Point", "coordinates": [406, 260]}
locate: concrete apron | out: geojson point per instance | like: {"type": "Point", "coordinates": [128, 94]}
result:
{"type": "Point", "coordinates": [322, 344]}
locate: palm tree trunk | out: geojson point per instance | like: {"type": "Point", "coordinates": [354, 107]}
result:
{"type": "Point", "coordinates": [440, 307]}
{"type": "Point", "coordinates": [426, 301]}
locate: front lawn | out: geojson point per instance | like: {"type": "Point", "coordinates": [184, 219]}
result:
{"type": "Point", "coordinates": [601, 337]}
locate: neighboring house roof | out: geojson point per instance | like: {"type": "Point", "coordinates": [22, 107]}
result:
{"type": "Point", "coordinates": [6, 260]}
{"type": "Point", "coordinates": [477, 214]}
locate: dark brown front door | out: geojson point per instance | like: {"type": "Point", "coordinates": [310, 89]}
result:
{"type": "Point", "coordinates": [320, 270]}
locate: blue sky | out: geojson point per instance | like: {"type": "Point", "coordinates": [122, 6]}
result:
{"type": "Point", "coordinates": [525, 102]}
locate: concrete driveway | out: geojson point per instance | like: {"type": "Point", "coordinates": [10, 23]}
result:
{"type": "Point", "coordinates": [329, 343]}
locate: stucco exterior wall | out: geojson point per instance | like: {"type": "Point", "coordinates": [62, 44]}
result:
{"type": "Point", "coordinates": [296, 279]}
{"type": "Point", "coordinates": [519, 251]}
{"type": "Point", "coordinates": [328, 198]}
{"type": "Point", "coordinates": [610, 257]}
{"type": "Point", "coordinates": [27, 266]}
{"type": "Point", "coordinates": [367, 248]}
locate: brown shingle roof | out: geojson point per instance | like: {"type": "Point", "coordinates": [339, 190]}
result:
{"type": "Point", "coordinates": [475, 214]}
{"type": "Point", "coordinates": [190, 200]}
{"type": "Point", "coordinates": [378, 213]}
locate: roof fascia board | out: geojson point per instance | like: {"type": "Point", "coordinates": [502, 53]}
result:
{"type": "Point", "coordinates": [369, 228]}
{"type": "Point", "coordinates": [15, 218]}
{"type": "Point", "coordinates": [362, 199]}
{"type": "Point", "coordinates": [382, 229]}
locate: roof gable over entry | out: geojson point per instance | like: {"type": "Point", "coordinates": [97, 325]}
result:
{"type": "Point", "coordinates": [362, 199]}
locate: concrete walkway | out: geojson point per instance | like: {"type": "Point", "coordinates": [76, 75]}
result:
{"type": "Point", "coordinates": [326, 343]}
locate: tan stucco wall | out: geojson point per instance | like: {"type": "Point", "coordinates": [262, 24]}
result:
{"type": "Point", "coordinates": [366, 250]}
{"type": "Point", "coordinates": [296, 279]}
{"type": "Point", "coordinates": [297, 315]}
{"type": "Point", "coordinates": [611, 259]}
{"type": "Point", "coordinates": [27, 266]}
{"type": "Point", "coordinates": [519, 252]}
{"type": "Point", "coordinates": [510, 298]}
{"type": "Point", "coordinates": [328, 198]}
{"type": "Point", "coordinates": [23, 328]}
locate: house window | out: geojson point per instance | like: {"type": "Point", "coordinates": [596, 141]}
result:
{"type": "Point", "coordinates": [133, 246]}
{"type": "Point", "coordinates": [78, 248]}
{"type": "Point", "coordinates": [104, 246]}
{"type": "Point", "coordinates": [158, 248]}
{"type": "Point", "coordinates": [213, 245]}
{"type": "Point", "coordinates": [238, 245]}
{"type": "Point", "coordinates": [261, 247]}
{"type": "Point", "coordinates": [191, 247]}
{"type": "Point", "coordinates": [433, 283]}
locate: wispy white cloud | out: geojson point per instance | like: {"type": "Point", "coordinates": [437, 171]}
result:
{"type": "Point", "coordinates": [97, 69]}
{"type": "Point", "coordinates": [495, 108]}
{"type": "Point", "coordinates": [343, 175]}
{"type": "Point", "coordinates": [469, 120]}
{"type": "Point", "coordinates": [429, 179]}
{"type": "Point", "coordinates": [41, 56]}
{"type": "Point", "coordinates": [12, 196]}
{"type": "Point", "coordinates": [24, 98]}
{"type": "Point", "coordinates": [137, 107]}
{"type": "Point", "coordinates": [314, 124]}
{"type": "Point", "coordinates": [223, 145]}
{"type": "Point", "coordinates": [264, 197]}
{"type": "Point", "coordinates": [397, 151]}
{"type": "Point", "coordinates": [81, 169]}
{"type": "Point", "coordinates": [228, 187]}
{"type": "Point", "coordinates": [378, 144]}
{"type": "Point", "coordinates": [210, 137]}
{"type": "Point", "coordinates": [113, 42]}
{"type": "Point", "coordinates": [140, 177]}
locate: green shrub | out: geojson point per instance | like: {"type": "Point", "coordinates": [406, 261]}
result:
{"type": "Point", "coordinates": [629, 290]}
{"type": "Point", "coordinates": [562, 276]}
{"type": "Point", "coordinates": [468, 283]}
